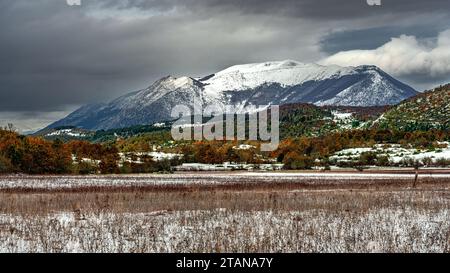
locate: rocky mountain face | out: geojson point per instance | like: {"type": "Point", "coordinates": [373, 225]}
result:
{"type": "Point", "coordinates": [247, 87]}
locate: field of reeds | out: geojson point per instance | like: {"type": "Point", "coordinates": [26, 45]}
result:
{"type": "Point", "coordinates": [208, 212]}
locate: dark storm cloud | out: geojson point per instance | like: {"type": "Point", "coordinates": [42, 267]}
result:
{"type": "Point", "coordinates": [54, 57]}
{"type": "Point", "coordinates": [318, 9]}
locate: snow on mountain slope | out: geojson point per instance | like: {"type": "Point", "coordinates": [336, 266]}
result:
{"type": "Point", "coordinates": [248, 87]}
{"type": "Point", "coordinates": [290, 81]}
{"type": "Point", "coordinates": [378, 88]}
{"type": "Point", "coordinates": [285, 73]}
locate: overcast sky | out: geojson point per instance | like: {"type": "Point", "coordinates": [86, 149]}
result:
{"type": "Point", "coordinates": [56, 57]}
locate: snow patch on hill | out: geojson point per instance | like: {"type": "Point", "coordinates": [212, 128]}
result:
{"type": "Point", "coordinates": [395, 153]}
{"type": "Point", "coordinates": [66, 132]}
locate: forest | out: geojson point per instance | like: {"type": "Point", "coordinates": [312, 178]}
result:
{"type": "Point", "coordinates": [35, 155]}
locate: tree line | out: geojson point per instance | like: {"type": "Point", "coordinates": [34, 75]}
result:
{"type": "Point", "coordinates": [35, 155]}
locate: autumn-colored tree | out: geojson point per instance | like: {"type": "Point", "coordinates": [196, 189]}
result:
{"type": "Point", "coordinates": [109, 164]}
{"type": "Point", "coordinates": [63, 157]}
{"type": "Point", "coordinates": [5, 165]}
{"type": "Point", "coordinates": [286, 146]}
{"type": "Point", "coordinates": [207, 152]}
{"type": "Point", "coordinates": [295, 161]}
{"type": "Point", "coordinates": [85, 149]}
{"type": "Point", "coordinates": [229, 153]}
{"type": "Point", "coordinates": [38, 156]}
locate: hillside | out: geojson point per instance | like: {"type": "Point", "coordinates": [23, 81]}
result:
{"type": "Point", "coordinates": [65, 133]}
{"type": "Point", "coordinates": [297, 119]}
{"type": "Point", "coordinates": [429, 110]}
{"type": "Point", "coordinates": [309, 120]}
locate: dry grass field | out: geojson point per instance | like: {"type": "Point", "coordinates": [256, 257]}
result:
{"type": "Point", "coordinates": [208, 212]}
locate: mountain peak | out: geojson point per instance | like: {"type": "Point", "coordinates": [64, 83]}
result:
{"type": "Point", "coordinates": [258, 67]}
{"type": "Point", "coordinates": [368, 68]}
{"type": "Point", "coordinates": [285, 73]}
{"type": "Point", "coordinates": [180, 82]}
{"type": "Point", "coordinates": [171, 82]}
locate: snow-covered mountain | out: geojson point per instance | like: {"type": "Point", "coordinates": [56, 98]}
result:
{"type": "Point", "coordinates": [247, 87]}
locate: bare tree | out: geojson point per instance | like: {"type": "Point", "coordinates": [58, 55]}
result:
{"type": "Point", "coordinates": [11, 127]}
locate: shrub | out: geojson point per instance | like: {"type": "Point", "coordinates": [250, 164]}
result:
{"type": "Point", "coordinates": [368, 158]}
{"type": "Point", "coordinates": [5, 165]}
{"type": "Point", "coordinates": [411, 162]}
{"type": "Point", "coordinates": [164, 166]}
{"type": "Point", "coordinates": [383, 160]}
{"type": "Point", "coordinates": [427, 161]}
{"type": "Point", "coordinates": [442, 162]}
{"type": "Point", "coordinates": [294, 161]}
{"type": "Point", "coordinates": [85, 168]}
{"type": "Point", "coordinates": [360, 168]}
{"type": "Point", "coordinates": [108, 164]}
{"type": "Point", "coordinates": [406, 162]}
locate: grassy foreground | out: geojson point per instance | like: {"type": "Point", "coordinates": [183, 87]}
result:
{"type": "Point", "coordinates": [271, 215]}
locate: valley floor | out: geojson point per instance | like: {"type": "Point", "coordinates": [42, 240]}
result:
{"type": "Point", "coordinates": [377, 211]}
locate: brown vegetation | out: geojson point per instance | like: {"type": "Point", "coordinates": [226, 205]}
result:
{"type": "Point", "coordinates": [266, 216]}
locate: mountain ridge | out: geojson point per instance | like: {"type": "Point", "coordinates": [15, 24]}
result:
{"type": "Point", "coordinates": [247, 86]}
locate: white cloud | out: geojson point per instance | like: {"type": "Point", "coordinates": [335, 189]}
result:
{"type": "Point", "coordinates": [403, 56]}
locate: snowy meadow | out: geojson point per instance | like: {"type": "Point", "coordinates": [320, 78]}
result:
{"type": "Point", "coordinates": [226, 212]}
